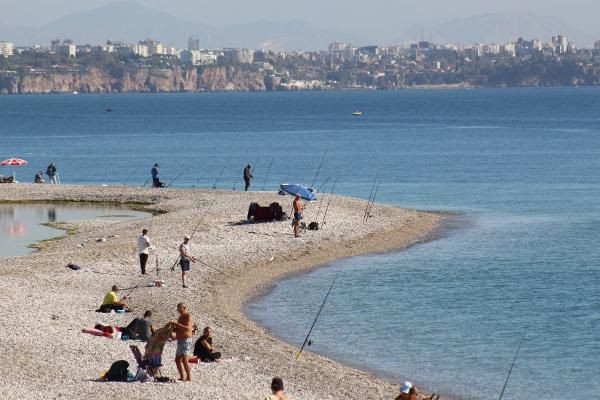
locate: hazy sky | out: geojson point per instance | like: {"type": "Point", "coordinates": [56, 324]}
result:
{"type": "Point", "coordinates": [374, 18]}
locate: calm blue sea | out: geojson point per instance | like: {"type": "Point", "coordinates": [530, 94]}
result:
{"type": "Point", "coordinates": [520, 166]}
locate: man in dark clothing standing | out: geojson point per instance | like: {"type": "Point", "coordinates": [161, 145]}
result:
{"type": "Point", "coordinates": [248, 176]}
{"type": "Point", "coordinates": [155, 181]}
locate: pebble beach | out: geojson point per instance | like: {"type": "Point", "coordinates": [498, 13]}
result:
{"type": "Point", "coordinates": [44, 353]}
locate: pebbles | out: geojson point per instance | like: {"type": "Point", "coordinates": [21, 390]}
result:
{"type": "Point", "coordinates": [47, 357]}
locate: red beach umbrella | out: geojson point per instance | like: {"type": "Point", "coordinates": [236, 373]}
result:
{"type": "Point", "coordinates": [14, 162]}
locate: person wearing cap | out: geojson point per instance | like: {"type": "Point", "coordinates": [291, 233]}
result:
{"type": "Point", "coordinates": [408, 391]}
{"type": "Point", "coordinates": [185, 258]}
{"type": "Point", "coordinates": [248, 176]}
{"type": "Point", "coordinates": [111, 301]}
{"type": "Point", "coordinates": [277, 390]}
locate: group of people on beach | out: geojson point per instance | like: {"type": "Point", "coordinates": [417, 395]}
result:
{"type": "Point", "coordinates": [52, 173]}
{"type": "Point", "coordinates": [297, 206]}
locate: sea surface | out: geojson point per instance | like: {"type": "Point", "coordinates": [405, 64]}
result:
{"type": "Point", "coordinates": [519, 167]}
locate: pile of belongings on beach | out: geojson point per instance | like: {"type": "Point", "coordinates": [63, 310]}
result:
{"type": "Point", "coordinates": [273, 212]}
{"type": "Point", "coordinates": [7, 179]}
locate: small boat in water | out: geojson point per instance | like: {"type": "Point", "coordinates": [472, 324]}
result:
{"type": "Point", "coordinates": [357, 113]}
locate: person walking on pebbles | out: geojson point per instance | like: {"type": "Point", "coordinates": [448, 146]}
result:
{"type": "Point", "coordinates": [144, 246]}
{"type": "Point", "coordinates": [248, 176]}
{"type": "Point", "coordinates": [185, 258]}
{"type": "Point", "coordinates": [183, 333]}
{"type": "Point", "coordinates": [297, 215]}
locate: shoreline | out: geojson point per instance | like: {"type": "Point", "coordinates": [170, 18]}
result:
{"type": "Point", "coordinates": [253, 261]}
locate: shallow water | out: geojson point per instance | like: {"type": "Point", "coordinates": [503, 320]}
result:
{"type": "Point", "coordinates": [519, 165]}
{"type": "Point", "coordinates": [21, 224]}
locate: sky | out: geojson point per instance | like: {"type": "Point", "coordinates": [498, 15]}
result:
{"type": "Point", "coordinates": [372, 19]}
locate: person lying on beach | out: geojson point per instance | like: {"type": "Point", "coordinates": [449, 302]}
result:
{"type": "Point", "coordinates": [277, 390]}
{"type": "Point", "coordinates": [112, 302]}
{"type": "Point", "coordinates": [144, 328]}
{"type": "Point", "coordinates": [203, 349]}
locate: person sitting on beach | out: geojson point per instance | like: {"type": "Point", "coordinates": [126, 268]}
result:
{"type": "Point", "coordinates": [112, 302]}
{"type": "Point", "coordinates": [409, 392]}
{"type": "Point", "coordinates": [183, 333]}
{"type": "Point", "coordinates": [39, 177]}
{"type": "Point", "coordinates": [203, 349]}
{"type": "Point", "coordinates": [144, 328]}
{"type": "Point", "coordinates": [277, 390]}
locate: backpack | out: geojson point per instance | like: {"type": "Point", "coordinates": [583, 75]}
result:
{"type": "Point", "coordinates": [118, 371]}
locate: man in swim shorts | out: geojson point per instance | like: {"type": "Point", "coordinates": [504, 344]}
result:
{"type": "Point", "coordinates": [183, 333]}
{"type": "Point", "coordinates": [297, 215]}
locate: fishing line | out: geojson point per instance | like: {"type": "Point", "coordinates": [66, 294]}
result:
{"type": "Point", "coordinates": [319, 169]}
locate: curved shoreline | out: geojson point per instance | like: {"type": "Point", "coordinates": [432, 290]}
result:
{"type": "Point", "coordinates": [250, 257]}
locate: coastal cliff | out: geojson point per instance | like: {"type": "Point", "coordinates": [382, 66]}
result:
{"type": "Point", "coordinates": [95, 80]}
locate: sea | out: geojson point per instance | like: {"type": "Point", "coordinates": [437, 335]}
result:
{"type": "Point", "coordinates": [518, 170]}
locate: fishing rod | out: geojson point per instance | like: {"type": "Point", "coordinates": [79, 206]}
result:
{"type": "Point", "coordinates": [319, 169]}
{"type": "Point", "coordinates": [145, 182]}
{"type": "Point", "coordinates": [370, 207]}
{"type": "Point", "coordinates": [191, 236]}
{"type": "Point", "coordinates": [329, 202]}
{"type": "Point", "coordinates": [370, 195]}
{"type": "Point", "coordinates": [318, 191]}
{"type": "Point", "coordinates": [267, 176]}
{"type": "Point", "coordinates": [315, 321]}
{"type": "Point", "coordinates": [220, 174]}
{"type": "Point", "coordinates": [132, 175]}
{"type": "Point", "coordinates": [511, 367]}
{"type": "Point", "coordinates": [177, 177]}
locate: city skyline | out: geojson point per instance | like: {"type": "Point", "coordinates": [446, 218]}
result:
{"type": "Point", "coordinates": [286, 28]}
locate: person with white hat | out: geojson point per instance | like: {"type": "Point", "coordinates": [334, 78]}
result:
{"type": "Point", "coordinates": [408, 391]}
{"type": "Point", "coordinates": [185, 258]}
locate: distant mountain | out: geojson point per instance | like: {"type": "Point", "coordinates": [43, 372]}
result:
{"type": "Point", "coordinates": [130, 21]}
{"type": "Point", "coordinates": [499, 28]}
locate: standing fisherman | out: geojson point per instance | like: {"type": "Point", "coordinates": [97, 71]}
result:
{"type": "Point", "coordinates": [297, 215]}
{"type": "Point", "coordinates": [52, 174]}
{"type": "Point", "coordinates": [185, 258]}
{"type": "Point", "coordinates": [155, 181]}
{"type": "Point", "coordinates": [144, 249]}
{"type": "Point", "coordinates": [248, 176]}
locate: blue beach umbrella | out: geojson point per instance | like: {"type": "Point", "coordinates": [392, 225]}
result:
{"type": "Point", "coordinates": [304, 192]}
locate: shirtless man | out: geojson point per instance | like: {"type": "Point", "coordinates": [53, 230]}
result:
{"type": "Point", "coordinates": [297, 215]}
{"type": "Point", "coordinates": [183, 333]}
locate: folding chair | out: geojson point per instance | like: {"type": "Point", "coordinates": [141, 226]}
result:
{"type": "Point", "coordinates": [144, 363]}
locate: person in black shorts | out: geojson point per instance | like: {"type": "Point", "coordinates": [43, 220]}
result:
{"type": "Point", "coordinates": [185, 258]}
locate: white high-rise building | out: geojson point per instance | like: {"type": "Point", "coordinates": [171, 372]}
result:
{"type": "Point", "coordinates": [7, 49]}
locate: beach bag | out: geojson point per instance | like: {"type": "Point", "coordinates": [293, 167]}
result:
{"type": "Point", "coordinates": [118, 371]}
{"type": "Point", "coordinates": [141, 376]}
{"type": "Point", "coordinates": [313, 226]}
